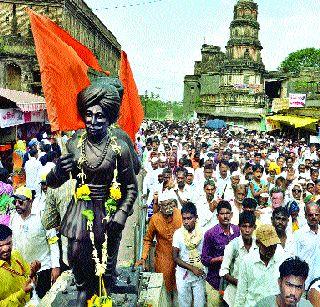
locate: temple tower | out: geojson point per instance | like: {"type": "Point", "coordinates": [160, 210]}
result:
{"type": "Point", "coordinates": [243, 64]}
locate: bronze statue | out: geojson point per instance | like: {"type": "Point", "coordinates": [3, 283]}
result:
{"type": "Point", "coordinates": [92, 158]}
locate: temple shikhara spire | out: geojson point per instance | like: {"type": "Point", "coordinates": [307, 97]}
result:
{"type": "Point", "coordinates": [230, 84]}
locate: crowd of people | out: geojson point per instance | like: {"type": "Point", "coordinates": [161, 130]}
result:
{"type": "Point", "coordinates": [30, 253]}
{"type": "Point", "coordinates": [234, 215]}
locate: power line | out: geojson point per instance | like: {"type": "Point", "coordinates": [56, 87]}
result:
{"type": "Point", "coordinates": [120, 6]}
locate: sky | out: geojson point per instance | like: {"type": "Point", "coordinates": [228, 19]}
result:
{"type": "Point", "coordinates": [163, 38]}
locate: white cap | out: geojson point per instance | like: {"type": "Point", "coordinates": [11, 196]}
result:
{"type": "Point", "coordinates": [235, 173]}
{"type": "Point", "coordinates": [163, 159]}
{"type": "Point", "coordinates": [190, 170]}
{"type": "Point", "coordinates": [154, 160]}
{"type": "Point", "coordinates": [265, 195]}
{"type": "Point", "coordinates": [167, 195]}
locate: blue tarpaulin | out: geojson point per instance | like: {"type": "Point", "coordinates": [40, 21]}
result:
{"type": "Point", "coordinates": [215, 124]}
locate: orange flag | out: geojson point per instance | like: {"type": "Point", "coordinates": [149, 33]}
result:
{"type": "Point", "coordinates": [131, 110]}
{"type": "Point", "coordinates": [64, 64]}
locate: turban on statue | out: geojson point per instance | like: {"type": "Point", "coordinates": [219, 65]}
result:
{"type": "Point", "coordinates": [109, 88]}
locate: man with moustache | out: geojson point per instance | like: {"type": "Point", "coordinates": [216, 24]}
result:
{"type": "Point", "coordinates": [234, 253]}
{"type": "Point", "coordinates": [259, 270]}
{"type": "Point", "coordinates": [162, 226]}
{"type": "Point", "coordinates": [240, 192]}
{"type": "Point", "coordinates": [280, 220]}
{"type": "Point", "coordinates": [181, 189]}
{"type": "Point", "coordinates": [34, 242]}
{"type": "Point", "coordinates": [187, 247]}
{"type": "Point", "coordinates": [206, 206]}
{"type": "Point", "coordinates": [293, 274]}
{"type": "Point", "coordinates": [215, 240]}
{"type": "Point", "coordinates": [307, 242]}
{"type": "Point", "coordinates": [16, 276]}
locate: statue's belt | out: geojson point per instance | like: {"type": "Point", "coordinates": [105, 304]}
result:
{"type": "Point", "coordinates": [98, 192]}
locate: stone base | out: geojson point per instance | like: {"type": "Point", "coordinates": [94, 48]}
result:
{"type": "Point", "coordinates": [64, 292]}
{"type": "Point", "coordinates": [152, 291]}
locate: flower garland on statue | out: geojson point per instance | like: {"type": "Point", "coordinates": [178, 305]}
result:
{"type": "Point", "coordinates": [111, 205]}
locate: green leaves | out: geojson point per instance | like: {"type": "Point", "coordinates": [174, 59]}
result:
{"type": "Point", "coordinates": [308, 57]}
{"type": "Point", "coordinates": [111, 206]}
{"type": "Point", "coordinates": [88, 214]}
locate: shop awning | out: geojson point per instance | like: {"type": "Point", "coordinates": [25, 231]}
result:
{"type": "Point", "coordinates": [296, 121]}
{"type": "Point", "coordinates": [26, 101]}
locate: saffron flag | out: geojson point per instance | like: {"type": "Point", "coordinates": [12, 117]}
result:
{"type": "Point", "coordinates": [131, 110]}
{"type": "Point", "coordinates": [64, 64]}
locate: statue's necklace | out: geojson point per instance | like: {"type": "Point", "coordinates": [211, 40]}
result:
{"type": "Point", "coordinates": [101, 157]}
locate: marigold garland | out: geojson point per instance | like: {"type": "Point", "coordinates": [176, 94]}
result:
{"type": "Point", "coordinates": [83, 192]}
{"type": "Point", "coordinates": [111, 205]}
{"type": "Point", "coordinates": [115, 195]}
{"type": "Point", "coordinates": [104, 301]}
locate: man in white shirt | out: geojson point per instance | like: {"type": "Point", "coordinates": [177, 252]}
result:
{"type": "Point", "coordinates": [223, 178]}
{"type": "Point", "coordinates": [151, 178]}
{"type": "Point", "coordinates": [234, 254]}
{"type": "Point", "coordinates": [293, 273]}
{"type": "Point", "coordinates": [229, 193]}
{"type": "Point", "coordinates": [32, 169]}
{"type": "Point", "coordinates": [280, 220]}
{"type": "Point", "coordinates": [307, 242]}
{"type": "Point", "coordinates": [259, 271]}
{"type": "Point", "coordinates": [33, 241]}
{"type": "Point", "coordinates": [187, 247]}
{"type": "Point", "coordinates": [206, 206]}
{"type": "Point", "coordinates": [190, 179]}
{"type": "Point", "coordinates": [181, 189]}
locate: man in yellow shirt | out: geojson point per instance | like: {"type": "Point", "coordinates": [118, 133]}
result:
{"type": "Point", "coordinates": [16, 276]}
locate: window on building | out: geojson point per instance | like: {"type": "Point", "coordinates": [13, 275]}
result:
{"type": "Point", "coordinates": [36, 76]}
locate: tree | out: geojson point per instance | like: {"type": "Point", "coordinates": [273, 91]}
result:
{"type": "Point", "coordinates": [308, 57]}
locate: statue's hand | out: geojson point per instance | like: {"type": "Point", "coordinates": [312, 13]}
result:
{"type": "Point", "coordinates": [118, 220]}
{"type": "Point", "coordinates": [66, 164]}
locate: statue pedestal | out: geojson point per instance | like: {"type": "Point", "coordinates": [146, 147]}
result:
{"type": "Point", "coordinates": [64, 292]}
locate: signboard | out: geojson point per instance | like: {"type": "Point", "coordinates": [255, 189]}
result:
{"type": "Point", "coordinates": [279, 104]}
{"type": "Point", "coordinates": [314, 139]}
{"type": "Point", "coordinates": [253, 88]}
{"type": "Point", "coordinates": [15, 117]}
{"type": "Point", "coordinates": [11, 117]}
{"type": "Point", "coordinates": [34, 117]}
{"type": "Point", "coordinates": [297, 100]}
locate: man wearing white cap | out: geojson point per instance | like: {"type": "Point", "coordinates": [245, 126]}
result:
{"type": "Point", "coordinates": [162, 162]}
{"type": "Point", "coordinates": [162, 226]}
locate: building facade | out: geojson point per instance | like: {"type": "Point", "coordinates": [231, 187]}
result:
{"type": "Point", "coordinates": [230, 85]}
{"type": "Point", "coordinates": [19, 69]}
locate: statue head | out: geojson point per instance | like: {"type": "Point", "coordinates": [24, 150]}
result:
{"type": "Point", "coordinates": [99, 105]}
